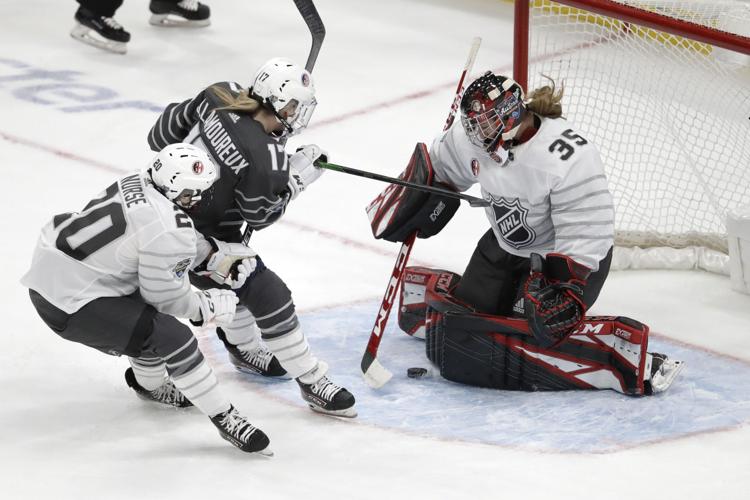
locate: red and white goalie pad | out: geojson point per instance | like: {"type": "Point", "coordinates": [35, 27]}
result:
{"type": "Point", "coordinates": [399, 211]}
{"type": "Point", "coordinates": [604, 352]}
{"type": "Point", "coordinates": [412, 310]}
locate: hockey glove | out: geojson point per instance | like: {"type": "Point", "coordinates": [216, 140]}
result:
{"type": "Point", "coordinates": [223, 263]}
{"type": "Point", "coordinates": [553, 297]}
{"type": "Point", "coordinates": [302, 169]}
{"type": "Point", "coordinates": [216, 307]}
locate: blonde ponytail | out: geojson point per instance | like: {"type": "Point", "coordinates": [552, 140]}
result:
{"type": "Point", "coordinates": [241, 102]}
{"type": "Point", "coordinates": [545, 101]}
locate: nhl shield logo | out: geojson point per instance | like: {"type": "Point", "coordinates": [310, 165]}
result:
{"type": "Point", "coordinates": [510, 219]}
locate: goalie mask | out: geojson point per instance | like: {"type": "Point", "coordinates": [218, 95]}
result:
{"type": "Point", "coordinates": [286, 90]}
{"type": "Point", "coordinates": [492, 109]}
{"type": "Point", "coordinates": [182, 172]}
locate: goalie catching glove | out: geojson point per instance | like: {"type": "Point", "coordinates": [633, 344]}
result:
{"type": "Point", "coordinates": [553, 297]}
{"type": "Point", "coordinates": [302, 169]}
{"type": "Point", "coordinates": [228, 263]}
{"type": "Point", "coordinates": [216, 307]}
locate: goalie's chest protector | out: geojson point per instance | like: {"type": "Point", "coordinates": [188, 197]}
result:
{"type": "Point", "coordinates": [519, 191]}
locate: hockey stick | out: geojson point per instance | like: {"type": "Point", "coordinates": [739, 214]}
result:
{"type": "Point", "coordinates": [473, 201]}
{"type": "Point", "coordinates": [374, 373]}
{"type": "Point", "coordinates": [317, 30]}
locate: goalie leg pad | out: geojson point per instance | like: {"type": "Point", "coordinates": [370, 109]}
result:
{"type": "Point", "coordinates": [498, 352]}
{"type": "Point", "coordinates": [412, 311]}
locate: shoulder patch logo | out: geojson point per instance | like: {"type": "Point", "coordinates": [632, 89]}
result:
{"type": "Point", "coordinates": [180, 268]}
{"type": "Point", "coordinates": [475, 167]}
{"type": "Point", "coordinates": [510, 220]}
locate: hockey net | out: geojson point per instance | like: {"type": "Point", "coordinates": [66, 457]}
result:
{"type": "Point", "coordinates": [663, 88]}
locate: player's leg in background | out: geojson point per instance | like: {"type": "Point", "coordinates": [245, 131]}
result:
{"type": "Point", "coordinates": [247, 352]}
{"type": "Point", "coordinates": [96, 26]}
{"type": "Point", "coordinates": [179, 13]}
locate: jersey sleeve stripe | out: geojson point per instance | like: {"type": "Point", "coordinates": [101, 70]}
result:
{"type": "Point", "coordinates": [578, 184]}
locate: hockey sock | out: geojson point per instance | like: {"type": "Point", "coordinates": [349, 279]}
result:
{"type": "Point", "coordinates": [150, 373]}
{"type": "Point", "coordinates": [292, 351]}
{"type": "Point", "coordinates": [201, 387]}
{"type": "Point", "coordinates": [243, 332]}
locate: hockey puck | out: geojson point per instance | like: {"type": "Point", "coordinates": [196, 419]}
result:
{"type": "Point", "coordinates": [416, 372]}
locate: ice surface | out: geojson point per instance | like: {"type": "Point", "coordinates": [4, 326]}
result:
{"type": "Point", "coordinates": [72, 117]}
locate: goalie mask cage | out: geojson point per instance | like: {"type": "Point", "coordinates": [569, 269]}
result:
{"type": "Point", "coordinates": [662, 87]}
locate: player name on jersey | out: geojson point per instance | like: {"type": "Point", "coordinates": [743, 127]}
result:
{"type": "Point", "coordinates": [132, 191]}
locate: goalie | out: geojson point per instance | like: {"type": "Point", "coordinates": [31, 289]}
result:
{"type": "Point", "coordinates": [515, 319]}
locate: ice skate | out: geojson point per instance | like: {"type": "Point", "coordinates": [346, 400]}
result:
{"type": "Point", "coordinates": [237, 430]}
{"type": "Point", "coordinates": [166, 394]}
{"type": "Point", "coordinates": [259, 361]}
{"type": "Point", "coordinates": [188, 13]}
{"type": "Point", "coordinates": [323, 396]}
{"type": "Point", "coordinates": [663, 372]}
{"type": "Point", "coordinates": [100, 32]}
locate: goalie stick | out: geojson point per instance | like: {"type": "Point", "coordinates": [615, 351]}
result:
{"type": "Point", "coordinates": [473, 201]}
{"type": "Point", "coordinates": [374, 373]}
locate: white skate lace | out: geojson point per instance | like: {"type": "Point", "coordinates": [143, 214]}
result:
{"type": "Point", "coordinates": [189, 4]}
{"type": "Point", "coordinates": [325, 389]}
{"type": "Point", "coordinates": [168, 393]}
{"type": "Point", "coordinates": [236, 425]}
{"type": "Point", "coordinates": [111, 23]}
{"type": "Point", "coordinates": [260, 358]}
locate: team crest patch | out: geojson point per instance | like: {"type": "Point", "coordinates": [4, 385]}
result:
{"type": "Point", "coordinates": [510, 219]}
{"type": "Point", "coordinates": [180, 268]}
{"type": "Point", "coordinates": [475, 167]}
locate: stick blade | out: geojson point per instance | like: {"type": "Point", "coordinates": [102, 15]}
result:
{"type": "Point", "coordinates": [376, 375]}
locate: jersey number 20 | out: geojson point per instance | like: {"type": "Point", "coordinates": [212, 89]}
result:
{"type": "Point", "coordinates": [108, 221]}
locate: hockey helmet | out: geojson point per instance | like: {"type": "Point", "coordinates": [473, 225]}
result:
{"type": "Point", "coordinates": [182, 172]}
{"type": "Point", "coordinates": [492, 109]}
{"type": "Point", "coordinates": [287, 90]}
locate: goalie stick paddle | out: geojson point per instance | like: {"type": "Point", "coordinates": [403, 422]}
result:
{"type": "Point", "coordinates": [374, 373]}
{"type": "Point", "coordinates": [310, 14]}
{"type": "Point", "coordinates": [473, 201]}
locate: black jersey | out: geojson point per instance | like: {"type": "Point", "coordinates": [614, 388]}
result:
{"type": "Point", "coordinates": [254, 168]}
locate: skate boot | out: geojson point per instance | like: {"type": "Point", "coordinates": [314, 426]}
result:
{"type": "Point", "coordinates": [237, 430]}
{"type": "Point", "coordinates": [187, 13]}
{"type": "Point", "coordinates": [259, 361]}
{"type": "Point", "coordinates": [167, 394]}
{"type": "Point", "coordinates": [100, 32]}
{"type": "Point", "coordinates": [323, 396]}
{"type": "Point", "coordinates": [663, 372]}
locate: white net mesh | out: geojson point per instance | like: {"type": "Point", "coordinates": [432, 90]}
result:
{"type": "Point", "coordinates": [671, 116]}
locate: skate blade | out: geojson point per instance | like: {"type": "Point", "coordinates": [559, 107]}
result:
{"type": "Point", "coordinates": [84, 34]}
{"type": "Point", "coordinates": [266, 452]}
{"type": "Point", "coordinates": [346, 413]}
{"type": "Point", "coordinates": [173, 21]}
{"type": "Point", "coordinates": [250, 371]}
{"type": "Point", "coordinates": [663, 379]}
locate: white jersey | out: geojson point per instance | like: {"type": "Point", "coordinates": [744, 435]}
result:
{"type": "Point", "coordinates": [551, 196]}
{"type": "Point", "coordinates": [130, 238]}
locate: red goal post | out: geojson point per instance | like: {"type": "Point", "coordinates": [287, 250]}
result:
{"type": "Point", "coordinates": [663, 88]}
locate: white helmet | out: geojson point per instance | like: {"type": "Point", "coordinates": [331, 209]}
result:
{"type": "Point", "coordinates": [181, 172]}
{"type": "Point", "coordinates": [286, 89]}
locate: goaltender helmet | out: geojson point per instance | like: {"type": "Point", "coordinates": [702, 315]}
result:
{"type": "Point", "coordinates": [492, 109]}
{"type": "Point", "coordinates": [286, 90]}
{"type": "Point", "coordinates": [182, 172]}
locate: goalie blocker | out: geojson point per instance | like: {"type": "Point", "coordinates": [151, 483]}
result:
{"type": "Point", "coordinates": [399, 211]}
{"type": "Point", "coordinates": [604, 352]}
